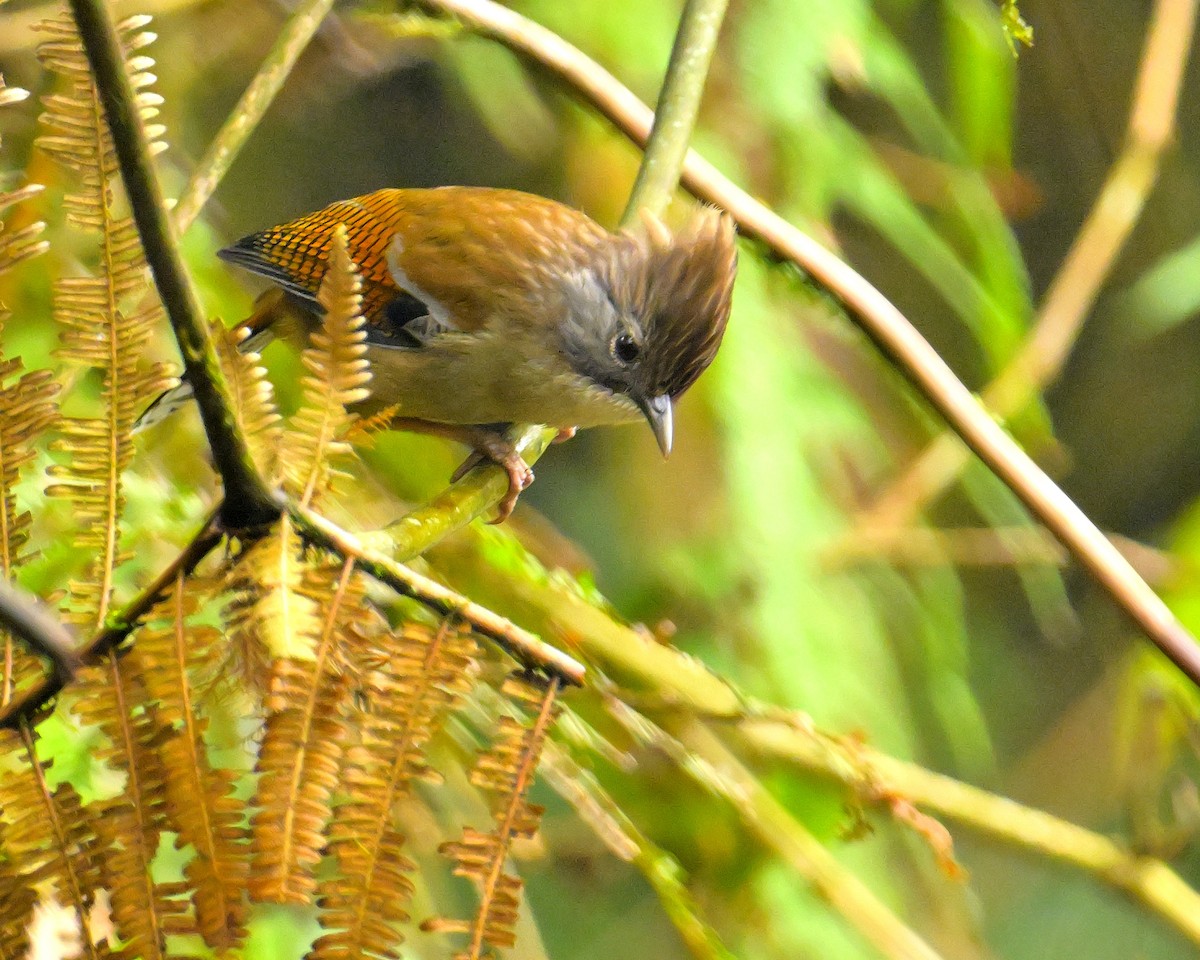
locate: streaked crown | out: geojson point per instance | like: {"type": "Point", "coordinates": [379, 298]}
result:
{"type": "Point", "coordinates": [678, 286]}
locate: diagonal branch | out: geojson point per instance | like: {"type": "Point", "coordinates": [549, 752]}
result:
{"type": "Point", "coordinates": [523, 645]}
{"type": "Point", "coordinates": [247, 500]}
{"type": "Point", "coordinates": [1075, 287]}
{"type": "Point", "coordinates": [645, 670]}
{"type": "Point", "coordinates": [890, 330]}
{"type": "Point", "coordinates": [243, 120]}
{"type": "Point", "coordinates": [36, 695]}
{"type": "Point", "coordinates": [25, 616]}
{"type": "Point", "coordinates": [678, 105]}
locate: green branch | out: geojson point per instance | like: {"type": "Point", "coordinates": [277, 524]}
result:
{"type": "Point", "coordinates": [244, 119]}
{"type": "Point", "coordinates": [678, 105]}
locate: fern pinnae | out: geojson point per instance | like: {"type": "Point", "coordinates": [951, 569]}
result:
{"type": "Point", "coordinates": [252, 395]}
{"type": "Point", "coordinates": [338, 374]}
{"type": "Point", "coordinates": [418, 683]}
{"type": "Point", "coordinates": [46, 833]}
{"type": "Point", "coordinates": [96, 331]}
{"type": "Point", "coordinates": [199, 802]}
{"type": "Point", "coordinates": [27, 410]}
{"type": "Point", "coordinates": [505, 771]}
{"type": "Point", "coordinates": [300, 757]}
{"type": "Point", "coordinates": [111, 697]}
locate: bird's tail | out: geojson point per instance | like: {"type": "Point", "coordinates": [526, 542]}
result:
{"type": "Point", "coordinates": [173, 398]}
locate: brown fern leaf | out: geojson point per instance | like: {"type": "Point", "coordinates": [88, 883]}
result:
{"type": "Point", "coordinates": [97, 329]}
{"type": "Point", "coordinates": [26, 411]}
{"type": "Point", "coordinates": [409, 694]}
{"type": "Point", "coordinates": [273, 614]}
{"type": "Point", "coordinates": [199, 804]}
{"type": "Point", "coordinates": [111, 697]}
{"type": "Point", "coordinates": [338, 373]}
{"type": "Point", "coordinates": [506, 771]}
{"type": "Point", "coordinates": [306, 735]}
{"type": "Point", "coordinates": [252, 394]}
{"type": "Point", "coordinates": [47, 840]}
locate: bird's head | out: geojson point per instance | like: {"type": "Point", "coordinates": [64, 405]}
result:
{"type": "Point", "coordinates": [646, 315]}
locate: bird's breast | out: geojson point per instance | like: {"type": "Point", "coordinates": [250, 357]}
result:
{"type": "Point", "coordinates": [502, 374]}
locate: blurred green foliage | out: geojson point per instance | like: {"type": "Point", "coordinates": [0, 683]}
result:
{"type": "Point", "coordinates": [954, 176]}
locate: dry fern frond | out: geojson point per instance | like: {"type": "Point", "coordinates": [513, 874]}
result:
{"type": "Point", "coordinates": [252, 395]}
{"type": "Point", "coordinates": [272, 614]}
{"type": "Point", "coordinates": [199, 802]}
{"type": "Point", "coordinates": [47, 839]}
{"type": "Point", "coordinates": [110, 697]}
{"type": "Point", "coordinates": [27, 410]}
{"type": "Point", "coordinates": [506, 772]}
{"type": "Point", "coordinates": [97, 329]}
{"type": "Point", "coordinates": [306, 735]}
{"type": "Point", "coordinates": [409, 694]}
{"type": "Point", "coordinates": [338, 373]}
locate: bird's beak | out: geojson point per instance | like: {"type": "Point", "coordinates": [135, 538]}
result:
{"type": "Point", "coordinates": [658, 413]}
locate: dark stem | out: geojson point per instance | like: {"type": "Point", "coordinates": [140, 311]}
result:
{"type": "Point", "coordinates": [248, 501]}
{"type": "Point", "coordinates": [34, 697]}
{"type": "Point", "coordinates": [31, 620]}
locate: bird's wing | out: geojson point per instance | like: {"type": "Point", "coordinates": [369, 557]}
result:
{"type": "Point", "coordinates": [295, 256]}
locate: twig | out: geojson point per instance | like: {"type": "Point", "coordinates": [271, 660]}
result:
{"type": "Point", "coordinates": [678, 105]}
{"type": "Point", "coordinates": [247, 501]}
{"type": "Point", "coordinates": [28, 618]}
{"type": "Point", "coordinates": [982, 547]}
{"type": "Point", "coordinates": [522, 644]}
{"type": "Point", "coordinates": [604, 817]}
{"type": "Point", "coordinates": [683, 684]}
{"type": "Point", "coordinates": [1074, 289]}
{"type": "Point", "coordinates": [876, 777]}
{"type": "Point", "coordinates": [34, 697]}
{"type": "Point", "coordinates": [293, 39]}
{"type": "Point", "coordinates": [700, 755]}
{"type": "Point", "coordinates": [879, 319]}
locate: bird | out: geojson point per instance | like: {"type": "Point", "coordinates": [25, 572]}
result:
{"type": "Point", "coordinates": [486, 307]}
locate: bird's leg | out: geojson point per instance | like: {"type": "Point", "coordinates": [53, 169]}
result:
{"type": "Point", "coordinates": [489, 442]}
{"type": "Point", "coordinates": [565, 434]}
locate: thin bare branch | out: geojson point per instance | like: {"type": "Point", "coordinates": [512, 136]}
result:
{"type": "Point", "coordinates": [697, 753]}
{"type": "Point", "coordinates": [28, 618]}
{"type": "Point", "coordinates": [1074, 289]}
{"type": "Point", "coordinates": [248, 502]}
{"type": "Point", "coordinates": [872, 311]}
{"type": "Point", "coordinates": [877, 778]}
{"type": "Point", "coordinates": [34, 697]}
{"type": "Point", "coordinates": [292, 41]}
{"type": "Point", "coordinates": [523, 645]}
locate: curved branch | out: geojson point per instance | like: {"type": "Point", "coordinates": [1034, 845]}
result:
{"type": "Point", "coordinates": [1077, 283]}
{"type": "Point", "coordinates": [521, 644]}
{"type": "Point", "coordinates": [248, 501]}
{"type": "Point", "coordinates": [890, 330]}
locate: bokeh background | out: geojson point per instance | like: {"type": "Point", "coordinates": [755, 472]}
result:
{"type": "Point", "coordinates": [954, 175]}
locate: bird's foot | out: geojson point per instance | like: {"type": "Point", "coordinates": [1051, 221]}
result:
{"type": "Point", "coordinates": [500, 450]}
{"type": "Point", "coordinates": [566, 433]}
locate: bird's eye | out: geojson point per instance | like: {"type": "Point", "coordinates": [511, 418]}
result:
{"type": "Point", "coordinates": [625, 348]}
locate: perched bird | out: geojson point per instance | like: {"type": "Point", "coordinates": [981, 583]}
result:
{"type": "Point", "coordinates": [488, 307]}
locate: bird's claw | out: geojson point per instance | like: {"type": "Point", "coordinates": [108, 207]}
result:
{"type": "Point", "coordinates": [520, 475]}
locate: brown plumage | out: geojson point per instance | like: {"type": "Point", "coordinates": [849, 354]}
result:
{"type": "Point", "coordinates": [487, 307]}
